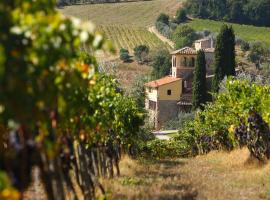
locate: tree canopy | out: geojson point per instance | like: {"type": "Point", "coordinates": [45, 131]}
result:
{"type": "Point", "coordinates": [256, 12]}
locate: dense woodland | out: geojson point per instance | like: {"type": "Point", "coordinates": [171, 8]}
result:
{"type": "Point", "coordinates": [256, 12]}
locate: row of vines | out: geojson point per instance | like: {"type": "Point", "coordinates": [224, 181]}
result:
{"type": "Point", "coordinates": [57, 113]}
{"type": "Point", "coordinates": [128, 37]}
{"type": "Point", "coordinates": [239, 116]}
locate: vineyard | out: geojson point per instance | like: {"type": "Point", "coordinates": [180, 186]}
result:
{"type": "Point", "coordinates": [129, 37]}
{"type": "Point", "coordinates": [125, 24]}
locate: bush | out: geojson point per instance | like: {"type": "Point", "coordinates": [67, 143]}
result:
{"type": "Point", "coordinates": [213, 128]}
{"type": "Point", "coordinates": [163, 18]}
{"type": "Point", "coordinates": [179, 122]}
{"type": "Point", "coordinates": [244, 46]}
{"type": "Point", "coordinates": [184, 36]}
{"type": "Point", "coordinates": [141, 53]}
{"type": "Point", "coordinates": [256, 136]}
{"type": "Point", "coordinates": [161, 63]}
{"type": "Point", "coordinates": [181, 16]}
{"type": "Point", "coordinates": [124, 55]}
{"type": "Point", "coordinates": [164, 29]}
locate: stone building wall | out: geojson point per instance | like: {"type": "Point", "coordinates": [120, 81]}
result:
{"type": "Point", "coordinates": [166, 110]}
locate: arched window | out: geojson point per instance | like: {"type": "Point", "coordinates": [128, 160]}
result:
{"type": "Point", "coordinates": [192, 62]}
{"type": "Point", "coordinates": [185, 61]}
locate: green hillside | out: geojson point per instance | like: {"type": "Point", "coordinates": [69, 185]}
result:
{"type": "Point", "coordinates": [125, 24]}
{"type": "Point", "coordinates": [246, 32]}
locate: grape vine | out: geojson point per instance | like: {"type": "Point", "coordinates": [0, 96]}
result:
{"type": "Point", "coordinates": [57, 113]}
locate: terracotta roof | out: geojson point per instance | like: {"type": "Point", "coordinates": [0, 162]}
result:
{"type": "Point", "coordinates": [162, 81]}
{"type": "Point", "coordinates": [185, 50]}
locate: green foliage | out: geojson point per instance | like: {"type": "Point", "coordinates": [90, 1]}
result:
{"type": "Point", "coordinates": [224, 56]}
{"type": "Point", "coordinates": [213, 128]}
{"type": "Point", "coordinates": [163, 18]}
{"type": "Point", "coordinates": [244, 46]}
{"type": "Point", "coordinates": [181, 16]}
{"type": "Point", "coordinates": [141, 53]}
{"type": "Point", "coordinates": [161, 63]}
{"type": "Point", "coordinates": [54, 104]}
{"type": "Point", "coordinates": [137, 92]}
{"type": "Point", "coordinates": [199, 96]}
{"type": "Point", "coordinates": [124, 55]}
{"type": "Point", "coordinates": [239, 11]}
{"type": "Point", "coordinates": [159, 149]}
{"type": "Point", "coordinates": [179, 122]}
{"type": "Point", "coordinates": [256, 136]}
{"type": "Point", "coordinates": [184, 36]}
{"type": "Point", "coordinates": [257, 54]}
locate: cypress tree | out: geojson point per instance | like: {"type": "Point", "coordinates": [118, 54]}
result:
{"type": "Point", "coordinates": [224, 56]}
{"type": "Point", "coordinates": [199, 89]}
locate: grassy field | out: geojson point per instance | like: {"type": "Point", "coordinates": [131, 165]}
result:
{"type": "Point", "coordinates": [125, 24]}
{"type": "Point", "coordinates": [246, 32]}
{"type": "Point", "coordinates": [216, 176]}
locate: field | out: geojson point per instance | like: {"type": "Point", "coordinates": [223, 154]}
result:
{"type": "Point", "coordinates": [216, 176]}
{"type": "Point", "coordinates": [126, 24]}
{"type": "Point", "coordinates": [128, 37]}
{"type": "Point", "coordinates": [246, 32]}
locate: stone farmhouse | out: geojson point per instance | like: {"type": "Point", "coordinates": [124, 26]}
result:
{"type": "Point", "coordinates": [167, 96]}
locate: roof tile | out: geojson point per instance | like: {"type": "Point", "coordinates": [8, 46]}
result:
{"type": "Point", "coordinates": [162, 81]}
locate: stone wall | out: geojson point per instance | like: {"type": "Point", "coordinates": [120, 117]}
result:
{"type": "Point", "coordinates": [166, 110]}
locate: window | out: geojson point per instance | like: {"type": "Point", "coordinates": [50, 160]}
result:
{"type": "Point", "coordinates": [169, 92]}
{"type": "Point", "coordinates": [174, 61]}
{"type": "Point", "coordinates": [152, 105]}
{"type": "Point", "coordinates": [192, 62]}
{"type": "Point", "coordinates": [185, 61]}
{"type": "Point", "coordinates": [150, 90]}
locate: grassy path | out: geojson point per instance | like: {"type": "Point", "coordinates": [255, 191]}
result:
{"type": "Point", "coordinates": [214, 176]}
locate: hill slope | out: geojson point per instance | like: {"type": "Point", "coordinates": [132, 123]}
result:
{"type": "Point", "coordinates": [126, 24]}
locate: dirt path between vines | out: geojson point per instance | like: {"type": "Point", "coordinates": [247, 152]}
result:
{"type": "Point", "coordinates": [215, 176]}
{"type": "Point", "coordinates": [153, 29]}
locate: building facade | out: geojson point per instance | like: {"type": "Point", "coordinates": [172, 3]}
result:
{"type": "Point", "coordinates": [167, 96]}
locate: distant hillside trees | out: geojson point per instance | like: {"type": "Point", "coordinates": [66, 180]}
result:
{"type": "Point", "coordinates": [256, 12]}
{"type": "Point", "coordinates": [224, 56]}
{"type": "Point", "coordinates": [184, 36]}
{"type": "Point", "coordinates": [199, 96]}
{"type": "Point", "coordinates": [161, 64]}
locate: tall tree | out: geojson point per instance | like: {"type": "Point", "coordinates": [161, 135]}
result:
{"type": "Point", "coordinates": [199, 90]}
{"type": "Point", "coordinates": [224, 56]}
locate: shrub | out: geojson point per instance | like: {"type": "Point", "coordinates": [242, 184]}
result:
{"type": "Point", "coordinates": [179, 122]}
{"type": "Point", "coordinates": [256, 136]}
{"type": "Point", "coordinates": [213, 128]}
{"type": "Point", "coordinates": [161, 63]}
{"type": "Point", "coordinates": [124, 55]}
{"type": "Point", "coordinates": [184, 36]}
{"type": "Point", "coordinates": [181, 16]}
{"type": "Point", "coordinates": [163, 18]}
{"type": "Point", "coordinates": [244, 46]}
{"type": "Point", "coordinates": [164, 29]}
{"type": "Point", "coordinates": [141, 53]}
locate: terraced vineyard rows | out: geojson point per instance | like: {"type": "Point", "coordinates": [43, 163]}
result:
{"type": "Point", "coordinates": [128, 37]}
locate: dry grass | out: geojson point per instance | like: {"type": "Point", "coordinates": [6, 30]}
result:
{"type": "Point", "coordinates": [142, 13]}
{"type": "Point", "coordinates": [218, 175]}
{"type": "Point", "coordinates": [126, 73]}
